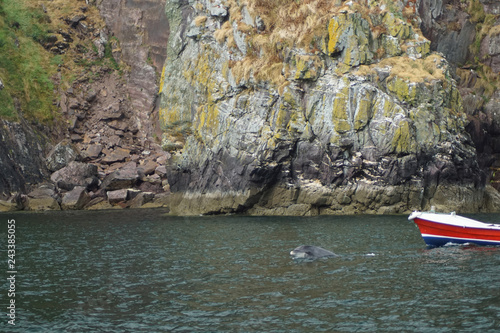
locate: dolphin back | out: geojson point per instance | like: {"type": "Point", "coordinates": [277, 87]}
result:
{"type": "Point", "coordinates": [312, 252]}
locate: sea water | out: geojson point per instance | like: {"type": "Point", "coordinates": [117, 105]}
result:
{"type": "Point", "coordinates": [144, 271]}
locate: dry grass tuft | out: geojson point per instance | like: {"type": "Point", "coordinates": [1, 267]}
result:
{"type": "Point", "coordinates": [495, 31]}
{"type": "Point", "coordinates": [224, 32]}
{"type": "Point", "coordinates": [288, 24]}
{"type": "Point", "coordinates": [413, 70]}
{"type": "Point", "coordinates": [200, 21]}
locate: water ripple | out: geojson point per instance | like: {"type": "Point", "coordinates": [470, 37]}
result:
{"type": "Point", "coordinates": [144, 272]}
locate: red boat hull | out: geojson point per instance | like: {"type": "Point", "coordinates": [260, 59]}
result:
{"type": "Point", "coordinates": [440, 229]}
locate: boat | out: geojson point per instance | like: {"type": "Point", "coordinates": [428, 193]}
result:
{"type": "Point", "coordinates": [440, 229]}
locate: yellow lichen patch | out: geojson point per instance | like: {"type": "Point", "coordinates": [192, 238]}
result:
{"type": "Point", "coordinates": [339, 112]}
{"type": "Point", "coordinates": [350, 34]}
{"type": "Point", "coordinates": [364, 111]}
{"type": "Point", "coordinates": [389, 108]}
{"type": "Point", "coordinates": [162, 114]}
{"type": "Point", "coordinates": [162, 80]}
{"type": "Point", "coordinates": [404, 90]}
{"type": "Point", "coordinates": [335, 28]}
{"type": "Point", "coordinates": [422, 47]}
{"type": "Point", "coordinates": [199, 73]}
{"type": "Point", "coordinates": [285, 112]}
{"type": "Point", "coordinates": [402, 142]}
{"type": "Point", "coordinates": [208, 120]}
{"type": "Point", "coordinates": [169, 116]}
{"type": "Point", "coordinates": [281, 117]}
{"type": "Point", "coordinates": [396, 27]}
{"type": "Point", "coordinates": [307, 67]}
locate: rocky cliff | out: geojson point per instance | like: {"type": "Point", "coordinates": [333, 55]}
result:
{"type": "Point", "coordinates": [467, 34]}
{"type": "Point", "coordinates": [99, 149]}
{"type": "Point", "coordinates": [316, 107]}
{"type": "Point", "coordinates": [264, 107]}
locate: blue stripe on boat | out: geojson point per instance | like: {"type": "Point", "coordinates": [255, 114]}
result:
{"type": "Point", "coordinates": [440, 241]}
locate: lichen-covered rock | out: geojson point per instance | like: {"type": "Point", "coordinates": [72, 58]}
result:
{"type": "Point", "coordinates": [60, 156]}
{"type": "Point", "coordinates": [14, 203]}
{"type": "Point", "coordinates": [42, 204]}
{"type": "Point", "coordinates": [337, 125]}
{"type": "Point", "coordinates": [467, 34]}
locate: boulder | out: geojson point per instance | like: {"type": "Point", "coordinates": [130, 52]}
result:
{"type": "Point", "coordinates": [124, 177]}
{"type": "Point", "coordinates": [92, 183]}
{"type": "Point", "coordinates": [91, 96]}
{"type": "Point", "coordinates": [161, 171]}
{"type": "Point", "coordinates": [43, 191]}
{"type": "Point", "coordinates": [141, 199]}
{"type": "Point", "coordinates": [15, 202]}
{"type": "Point", "coordinates": [61, 155]}
{"type": "Point", "coordinates": [159, 200]}
{"type": "Point", "coordinates": [149, 167]}
{"type": "Point", "coordinates": [150, 187]}
{"type": "Point", "coordinates": [117, 196]}
{"type": "Point", "coordinates": [133, 193]}
{"type": "Point", "coordinates": [117, 155]}
{"type": "Point", "coordinates": [93, 151]}
{"type": "Point", "coordinates": [118, 125]}
{"type": "Point", "coordinates": [112, 112]}
{"type": "Point", "coordinates": [76, 138]}
{"type": "Point", "coordinates": [75, 199]}
{"type": "Point", "coordinates": [42, 204]}
{"type": "Point", "coordinates": [98, 203]}
{"type": "Point", "coordinates": [153, 179]}
{"type": "Point", "coordinates": [7, 206]}
{"type": "Point", "coordinates": [43, 198]}
{"type": "Point", "coordinates": [75, 20]}
{"type": "Point", "coordinates": [162, 158]}
{"type": "Point", "coordinates": [74, 174]}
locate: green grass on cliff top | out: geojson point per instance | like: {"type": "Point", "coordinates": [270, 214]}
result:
{"type": "Point", "coordinates": [25, 67]}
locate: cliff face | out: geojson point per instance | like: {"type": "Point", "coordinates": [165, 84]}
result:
{"type": "Point", "coordinates": [467, 34]}
{"type": "Point", "coordinates": [21, 157]}
{"type": "Point", "coordinates": [295, 108]}
{"type": "Point", "coordinates": [267, 107]}
{"type": "Point", "coordinates": [142, 30]}
{"type": "Point", "coordinates": [98, 148]}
